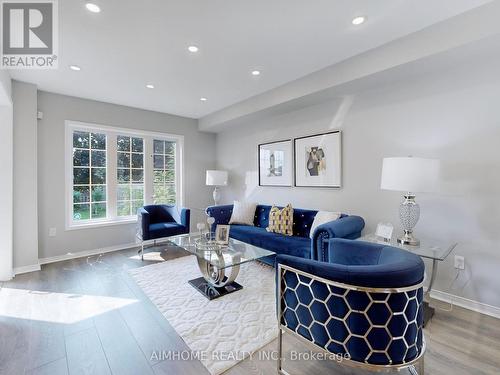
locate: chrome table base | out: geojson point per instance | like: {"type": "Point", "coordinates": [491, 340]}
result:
{"type": "Point", "coordinates": [211, 292]}
{"type": "Point", "coordinates": [215, 283]}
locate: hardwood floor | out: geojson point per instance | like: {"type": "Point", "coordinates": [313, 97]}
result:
{"type": "Point", "coordinates": [94, 319]}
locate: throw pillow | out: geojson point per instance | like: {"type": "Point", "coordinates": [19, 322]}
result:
{"type": "Point", "coordinates": [281, 221]}
{"type": "Point", "coordinates": [323, 217]}
{"type": "Point", "coordinates": [243, 213]}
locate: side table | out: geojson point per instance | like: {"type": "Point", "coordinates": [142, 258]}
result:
{"type": "Point", "coordinates": [433, 250]}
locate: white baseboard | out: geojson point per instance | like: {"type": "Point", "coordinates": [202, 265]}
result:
{"type": "Point", "coordinates": [466, 303]}
{"type": "Point", "coordinates": [86, 253]}
{"type": "Point", "coordinates": [26, 269]}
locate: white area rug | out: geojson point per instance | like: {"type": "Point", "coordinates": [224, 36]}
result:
{"type": "Point", "coordinates": [222, 331]}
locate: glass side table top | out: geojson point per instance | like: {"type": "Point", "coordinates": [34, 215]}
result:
{"type": "Point", "coordinates": [427, 249]}
{"type": "Point", "coordinates": [233, 254]}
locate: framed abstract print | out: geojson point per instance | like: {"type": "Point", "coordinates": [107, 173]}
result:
{"type": "Point", "coordinates": [318, 160]}
{"type": "Point", "coordinates": [276, 163]}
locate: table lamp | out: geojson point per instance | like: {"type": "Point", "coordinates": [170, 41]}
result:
{"type": "Point", "coordinates": [216, 178]}
{"type": "Point", "coordinates": [409, 175]}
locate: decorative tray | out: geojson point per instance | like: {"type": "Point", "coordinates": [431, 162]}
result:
{"type": "Point", "coordinates": [207, 245]}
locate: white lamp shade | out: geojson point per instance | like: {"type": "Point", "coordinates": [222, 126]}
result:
{"type": "Point", "coordinates": [216, 178]}
{"type": "Point", "coordinates": [416, 175]}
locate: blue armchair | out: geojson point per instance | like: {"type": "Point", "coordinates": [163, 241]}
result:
{"type": "Point", "coordinates": [364, 304]}
{"type": "Point", "coordinates": [159, 221]}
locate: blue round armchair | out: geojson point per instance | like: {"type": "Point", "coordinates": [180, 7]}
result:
{"type": "Point", "coordinates": [363, 302]}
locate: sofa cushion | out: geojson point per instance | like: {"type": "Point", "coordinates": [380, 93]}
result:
{"type": "Point", "coordinates": [160, 230]}
{"type": "Point", "coordinates": [302, 219]}
{"type": "Point", "coordinates": [281, 221]}
{"type": "Point", "coordinates": [243, 213]}
{"type": "Point", "coordinates": [280, 244]}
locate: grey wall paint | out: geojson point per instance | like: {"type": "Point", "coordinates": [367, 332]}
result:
{"type": "Point", "coordinates": [24, 96]}
{"type": "Point", "coordinates": [6, 187]}
{"type": "Point", "coordinates": [199, 155]}
{"type": "Point", "coordinates": [5, 87]}
{"type": "Point", "coordinates": [452, 115]}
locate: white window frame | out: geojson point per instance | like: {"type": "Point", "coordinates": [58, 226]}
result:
{"type": "Point", "coordinates": [111, 167]}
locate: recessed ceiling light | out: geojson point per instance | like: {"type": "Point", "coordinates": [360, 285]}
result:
{"type": "Point", "coordinates": [203, 99]}
{"type": "Point", "coordinates": [75, 68]}
{"type": "Point", "coordinates": [358, 20]}
{"type": "Point", "coordinates": [94, 8]}
{"type": "Point", "coordinates": [256, 72]}
{"type": "Point", "coordinates": [193, 49]}
{"type": "Point", "coordinates": [150, 86]}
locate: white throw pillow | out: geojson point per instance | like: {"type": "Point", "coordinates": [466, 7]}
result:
{"type": "Point", "coordinates": [323, 217]}
{"type": "Point", "coordinates": [243, 213]}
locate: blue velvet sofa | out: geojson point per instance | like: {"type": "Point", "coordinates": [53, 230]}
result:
{"type": "Point", "coordinates": [364, 303]}
{"type": "Point", "coordinates": [300, 244]}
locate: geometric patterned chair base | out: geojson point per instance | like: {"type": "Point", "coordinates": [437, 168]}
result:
{"type": "Point", "coordinates": [374, 328]}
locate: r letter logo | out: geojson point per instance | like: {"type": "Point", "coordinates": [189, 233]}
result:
{"type": "Point", "coordinates": [29, 34]}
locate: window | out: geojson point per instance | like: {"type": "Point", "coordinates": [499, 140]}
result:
{"type": "Point", "coordinates": [164, 172]}
{"type": "Point", "coordinates": [130, 174]}
{"type": "Point", "coordinates": [111, 172]}
{"type": "Point", "coordinates": [89, 176]}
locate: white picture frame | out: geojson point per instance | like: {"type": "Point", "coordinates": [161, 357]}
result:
{"type": "Point", "coordinates": [318, 160]}
{"type": "Point", "coordinates": [276, 163]}
{"type": "Point", "coordinates": [384, 231]}
{"type": "Point", "coordinates": [222, 234]}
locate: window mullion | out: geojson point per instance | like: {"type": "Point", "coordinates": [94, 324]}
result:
{"type": "Point", "coordinates": [112, 176]}
{"type": "Point", "coordinates": [179, 196]}
{"type": "Point", "coordinates": [148, 170]}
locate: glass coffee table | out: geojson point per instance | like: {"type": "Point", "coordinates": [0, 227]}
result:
{"type": "Point", "coordinates": [219, 268]}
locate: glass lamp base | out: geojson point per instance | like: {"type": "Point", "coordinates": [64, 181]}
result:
{"type": "Point", "coordinates": [408, 239]}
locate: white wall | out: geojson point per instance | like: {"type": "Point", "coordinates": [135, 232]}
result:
{"type": "Point", "coordinates": [199, 155]}
{"type": "Point", "coordinates": [24, 96]}
{"type": "Point", "coordinates": [452, 115]}
{"type": "Point", "coordinates": [6, 157]}
{"type": "Point", "coordinates": [5, 88]}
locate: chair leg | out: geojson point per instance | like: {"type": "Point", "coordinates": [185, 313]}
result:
{"type": "Point", "coordinates": [142, 250]}
{"type": "Point", "coordinates": [280, 351]}
{"type": "Point", "coordinates": [418, 368]}
{"type": "Point", "coordinates": [421, 369]}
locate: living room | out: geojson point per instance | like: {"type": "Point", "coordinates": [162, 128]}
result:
{"type": "Point", "coordinates": [279, 188]}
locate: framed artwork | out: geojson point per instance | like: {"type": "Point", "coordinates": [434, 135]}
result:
{"type": "Point", "coordinates": [318, 160]}
{"type": "Point", "coordinates": [222, 234]}
{"type": "Point", "coordinates": [276, 163]}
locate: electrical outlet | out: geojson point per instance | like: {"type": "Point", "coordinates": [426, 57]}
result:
{"type": "Point", "coordinates": [52, 232]}
{"type": "Point", "coordinates": [459, 262]}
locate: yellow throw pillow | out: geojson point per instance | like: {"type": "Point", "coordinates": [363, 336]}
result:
{"type": "Point", "coordinates": [281, 221]}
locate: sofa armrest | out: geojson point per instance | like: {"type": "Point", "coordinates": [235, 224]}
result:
{"type": "Point", "coordinates": [186, 217]}
{"type": "Point", "coordinates": [357, 252]}
{"type": "Point", "coordinates": [221, 214]}
{"type": "Point", "coordinates": [143, 221]}
{"type": "Point", "coordinates": [348, 227]}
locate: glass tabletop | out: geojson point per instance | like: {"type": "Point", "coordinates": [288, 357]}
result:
{"type": "Point", "coordinates": [233, 254]}
{"type": "Point", "coordinates": [427, 249]}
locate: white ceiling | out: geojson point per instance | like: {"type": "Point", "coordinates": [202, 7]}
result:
{"type": "Point", "coordinates": [131, 43]}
